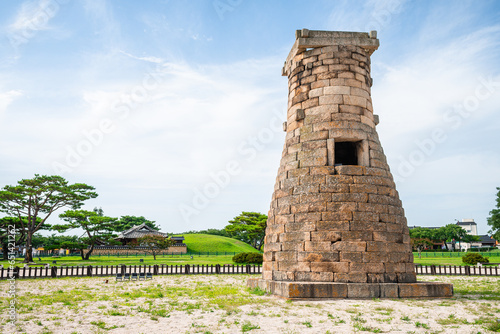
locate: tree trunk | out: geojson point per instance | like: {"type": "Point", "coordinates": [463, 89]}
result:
{"type": "Point", "coordinates": [87, 256]}
{"type": "Point", "coordinates": [29, 253]}
{"type": "Point", "coordinates": [5, 248]}
{"type": "Point", "coordinates": [261, 242]}
{"type": "Point", "coordinates": [82, 254]}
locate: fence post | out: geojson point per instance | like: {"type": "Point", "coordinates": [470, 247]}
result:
{"type": "Point", "coordinates": [124, 269]}
{"type": "Point", "coordinates": [186, 269]}
{"type": "Point", "coordinates": [433, 269]}
{"type": "Point", "coordinates": [155, 269]}
{"type": "Point", "coordinates": [16, 272]}
{"type": "Point", "coordinates": [89, 271]}
{"type": "Point", "coordinates": [53, 272]}
{"type": "Point", "coordinates": [217, 268]}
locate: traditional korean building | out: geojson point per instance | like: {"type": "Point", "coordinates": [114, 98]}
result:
{"type": "Point", "coordinates": [132, 234]}
{"type": "Point", "coordinates": [136, 232]}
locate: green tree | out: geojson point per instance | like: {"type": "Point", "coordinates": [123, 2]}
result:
{"type": "Point", "coordinates": [75, 245]}
{"type": "Point", "coordinates": [419, 244]}
{"type": "Point", "coordinates": [249, 227]}
{"type": "Point", "coordinates": [10, 233]}
{"type": "Point", "coordinates": [126, 222]}
{"type": "Point", "coordinates": [154, 243]}
{"type": "Point", "coordinates": [53, 241]}
{"type": "Point", "coordinates": [211, 231]}
{"type": "Point", "coordinates": [470, 238]}
{"type": "Point", "coordinates": [421, 233]}
{"type": "Point", "coordinates": [445, 234]}
{"type": "Point", "coordinates": [38, 198]}
{"type": "Point", "coordinates": [98, 229]}
{"type": "Point", "coordinates": [450, 233]}
{"type": "Point", "coordinates": [494, 218]}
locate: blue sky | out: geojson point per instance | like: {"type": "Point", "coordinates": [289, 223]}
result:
{"type": "Point", "coordinates": [172, 109]}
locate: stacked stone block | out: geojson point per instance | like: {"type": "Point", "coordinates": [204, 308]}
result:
{"type": "Point", "coordinates": [332, 219]}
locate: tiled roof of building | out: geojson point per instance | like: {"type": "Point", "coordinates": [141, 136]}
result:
{"type": "Point", "coordinates": [139, 231]}
{"type": "Point", "coordinates": [486, 239]}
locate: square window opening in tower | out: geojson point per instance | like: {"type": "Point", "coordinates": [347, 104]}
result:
{"type": "Point", "coordinates": [346, 153]}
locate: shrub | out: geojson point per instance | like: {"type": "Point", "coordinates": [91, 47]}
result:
{"type": "Point", "coordinates": [248, 258]}
{"type": "Point", "coordinates": [240, 257]}
{"type": "Point", "coordinates": [474, 258]}
{"type": "Point", "coordinates": [254, 258]}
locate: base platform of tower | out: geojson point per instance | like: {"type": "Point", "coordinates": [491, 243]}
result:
{"type": "Point", "coordinates": [336, 227]}
{"type": "Point", "coordinates": [334, 290]}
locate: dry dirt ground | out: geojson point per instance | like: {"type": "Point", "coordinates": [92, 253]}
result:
{"type": "Point", "coordinates": [223, 304]}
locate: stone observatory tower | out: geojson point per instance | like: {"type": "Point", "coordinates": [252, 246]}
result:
{"type": "Point", "coordinates": [336, 226]}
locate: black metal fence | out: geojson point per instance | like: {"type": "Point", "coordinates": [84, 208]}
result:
{"type": "Point", "coordinates": [493, 270]}
{"type": "Point", "coordinates": [91, 271]}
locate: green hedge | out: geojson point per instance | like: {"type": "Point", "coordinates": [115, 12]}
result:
{"type": "Point", "coordinates": [248, 258]}
{"type": "Point", "coordinates": [474, 258]}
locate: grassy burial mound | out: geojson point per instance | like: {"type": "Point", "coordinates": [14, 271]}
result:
{"type": "Point", "coordinates": [203, 243]}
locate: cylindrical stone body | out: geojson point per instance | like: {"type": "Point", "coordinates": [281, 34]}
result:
{"type": "Point", "coordinates": [335, 214]}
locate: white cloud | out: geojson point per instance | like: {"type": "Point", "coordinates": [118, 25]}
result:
{"type": "Point", "coordinates": [6, 99]}
{"type": "Point", "coordinates": [421, 93]}
{"type": "Point", "coordinates": [150, 59]}
{"type": "Point", "coordinates": [189, 126]}
{"type": "Point", "coordinates": [33, 16]}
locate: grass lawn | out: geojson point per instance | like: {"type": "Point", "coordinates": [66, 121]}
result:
{"type": "Point", "coordinates": [96, 260]}
{"type": "Point", "coordinates": [453, 259]}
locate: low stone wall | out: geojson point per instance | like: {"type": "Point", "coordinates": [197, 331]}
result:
{"type": "Point", "coordinates": [111, 251]}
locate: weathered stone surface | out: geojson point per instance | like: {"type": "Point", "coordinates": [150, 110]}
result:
{"type": "Point", "coordinates": [314, 277]}
{"type": "Point", "coordinates": [335, 214]}
{"type": "Point", "coordinates": [300, 289]}
{"type": "Point", "coordinates": [425, 289]}
{"type": "Point", "coordinates": [368, 290]}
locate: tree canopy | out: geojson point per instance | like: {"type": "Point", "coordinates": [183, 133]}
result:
{"type": "Point", "coordinates": [249, 227]}
{"type": "Point", "coordinates": [211, 231]}
{"type": "Point", "coordinates": [494, 218]}
{"type": "Point", "coordinates": [37, 198]}
{"type": "Point", "coordinates": [52, 241]}
{"type": "Point", "coordinates": [98, 229]}
{"type": "Point", "coordinates": [10, 233]}
{"type": "Point", "coordinates": [448, 233]}
{"type": "Point", "coordinates": [126, 222]}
